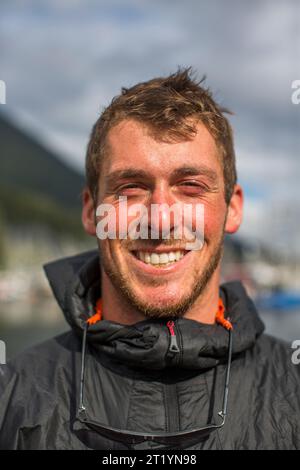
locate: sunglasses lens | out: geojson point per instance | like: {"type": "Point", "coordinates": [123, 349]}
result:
{"type": "Point", "coordinates": [179, 441]}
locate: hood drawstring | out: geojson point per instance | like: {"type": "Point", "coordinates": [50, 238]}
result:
{"type": "Point", "coordinates": [220, 315]}
{"type": "Point", "coordinates": [98, 314]}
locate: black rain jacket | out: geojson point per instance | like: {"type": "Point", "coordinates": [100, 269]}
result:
{"type": "Point", "coordinates": [132, 382]}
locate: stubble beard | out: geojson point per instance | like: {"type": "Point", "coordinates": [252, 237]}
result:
{"type": "Point", "coordinates": [177, 310]}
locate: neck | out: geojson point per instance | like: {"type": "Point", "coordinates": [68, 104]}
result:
{"type": "Point", "coordinates": [205, 307]}
{"type": "Point", "coordinates": [116, 309]}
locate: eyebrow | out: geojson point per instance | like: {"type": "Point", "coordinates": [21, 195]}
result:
{"type": "Point", "coordinates": [201, 170]}
{"type": "Point", "coordinates": [129, 173]}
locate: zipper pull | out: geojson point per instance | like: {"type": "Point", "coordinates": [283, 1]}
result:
{"type": "Point", "coordinates": [173, 347]}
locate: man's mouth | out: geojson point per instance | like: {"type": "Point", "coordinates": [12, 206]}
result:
{"type": "Point", "coordinates": [161, 259]}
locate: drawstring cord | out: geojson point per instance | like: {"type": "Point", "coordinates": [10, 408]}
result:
{"type": "Point", "coordinates": [98, 314]}
{"type": "Point", "coordinates": [220, 316]}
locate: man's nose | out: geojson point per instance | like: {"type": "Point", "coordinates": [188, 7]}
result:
{"type": "Point", "coordinates": [161, 220]}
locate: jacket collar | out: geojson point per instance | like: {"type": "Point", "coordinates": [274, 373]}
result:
{"type": "Point", "coordinates": [75, 282]}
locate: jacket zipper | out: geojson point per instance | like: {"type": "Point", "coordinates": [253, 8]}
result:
{"type": "Point", "coordinates": [171, 398]}
{"type": "Point", "coordinates": [173, 346]}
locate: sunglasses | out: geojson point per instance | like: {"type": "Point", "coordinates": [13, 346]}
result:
{"type": "Point", "coordinates": [180, 439]}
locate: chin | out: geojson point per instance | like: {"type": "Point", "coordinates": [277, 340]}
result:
{"type": "Point", "coordinates": [159, 304]}
{"type": "Point", "coordinates": [161, 295]}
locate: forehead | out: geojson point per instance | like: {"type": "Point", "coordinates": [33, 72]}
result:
{"type": "Point", "coordinates": [131, 145]}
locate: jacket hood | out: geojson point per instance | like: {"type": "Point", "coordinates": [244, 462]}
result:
{"type": "Point", "coordinates": [75, 282]}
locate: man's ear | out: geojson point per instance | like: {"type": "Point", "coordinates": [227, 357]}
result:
{"type": "Point", "coordinates": [235, 210]}
{"type": "Point", "coordinates": [88, 212]}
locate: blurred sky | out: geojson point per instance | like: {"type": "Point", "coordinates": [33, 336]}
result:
{"type": "Point", "coordinates": [63, 60]}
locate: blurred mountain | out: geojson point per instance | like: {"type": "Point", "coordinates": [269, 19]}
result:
{"type": "Point", "coordinates": [39, 193]}
{"type": "Point", "coordinates": [27, 165]}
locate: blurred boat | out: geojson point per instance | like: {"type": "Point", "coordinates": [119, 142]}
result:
{"type": "Point", "coordinates": [278, 300]}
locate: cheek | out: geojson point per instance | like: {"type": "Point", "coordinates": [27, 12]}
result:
{"type": "Point", "coordinates": [126, 218]}
{"type": "Point", "coordinates": [108, 250]}
{"type": "Point", "coordinates": [214, 221]}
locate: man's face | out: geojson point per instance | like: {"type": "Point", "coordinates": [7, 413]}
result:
{"type": "Point", "coordinates": [148, 171]}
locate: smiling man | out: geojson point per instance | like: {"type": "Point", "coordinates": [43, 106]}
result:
{"type": "Point", "coordinates": [160, 355]}
{"type": "Point", "coordinates": [149, 170]}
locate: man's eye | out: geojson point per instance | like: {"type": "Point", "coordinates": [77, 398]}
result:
{"type": "Point", "coordinates": [192, 188]}
{"type": "Point", "coordinates": [130, 188]}
{"type": "Point", "coordinates": [193, 184]}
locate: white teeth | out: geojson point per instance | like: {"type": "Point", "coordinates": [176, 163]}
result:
{"type": "Point", "coordinates": [163, 258]}
{"type": "Point", "coordinates": [154, 258]}
{"type": "Point", "coordinates": [160, 259]}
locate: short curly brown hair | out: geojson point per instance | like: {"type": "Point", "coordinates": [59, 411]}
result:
{"type": "Point", "coordinates": [170, 107]}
